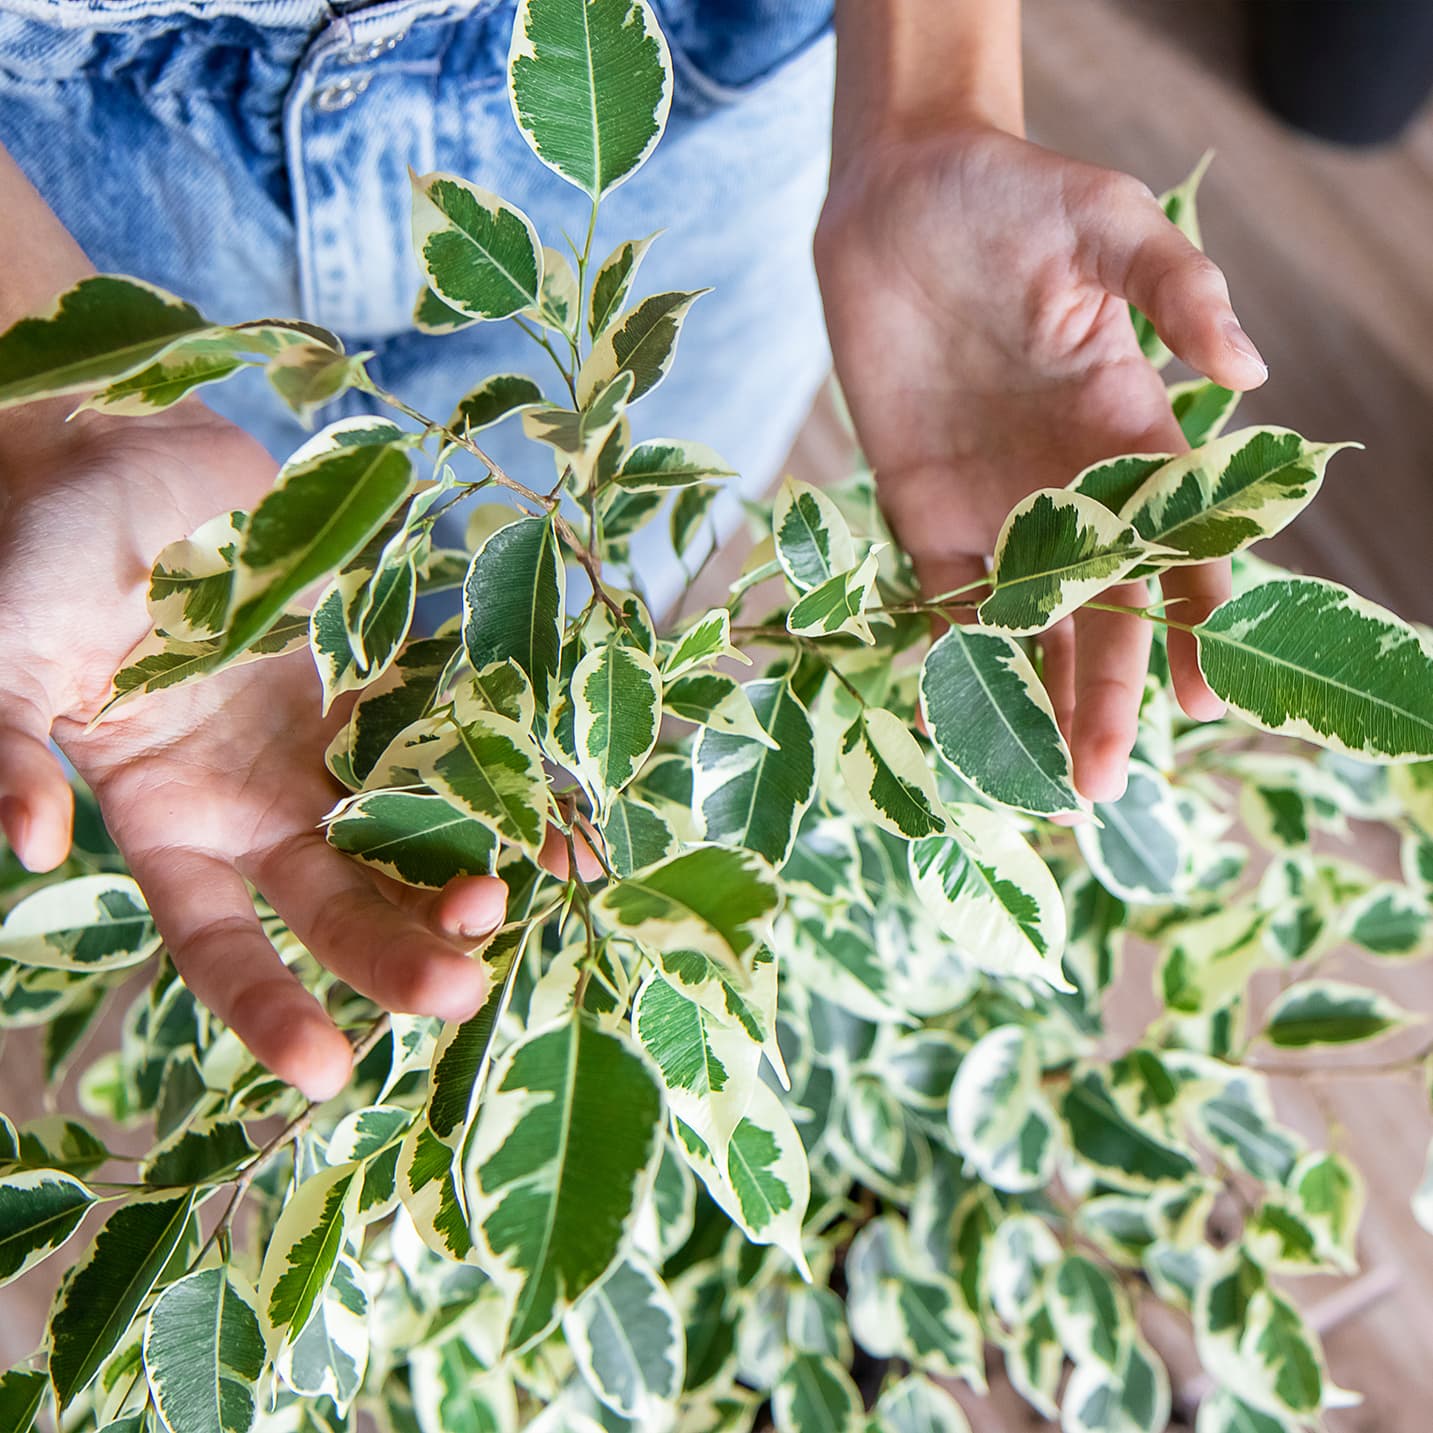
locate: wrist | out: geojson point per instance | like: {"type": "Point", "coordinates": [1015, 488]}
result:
{"type": "Point", "coordinates": [907, 71]}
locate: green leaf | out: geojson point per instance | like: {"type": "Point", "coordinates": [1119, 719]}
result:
{"type": "Point", "coordinates": [1221, 1412]}
{"type": "Point", "coordinates": [513, 602]}
{"type": "Point", "coordinates": [588, 442]}
{"type": "Point", "coordinates": [89, 924]}
{"type": "Point", "coordinates": [198, 1153]}
{"type": "Point", "coordinates": [1132, 1397]}
{"type": "Point", "coordinates": [917, 1405]}
{"type": "Point", "coordinates": [1126, 1155]}
{"type": "Point", "coordinates": [636, 835]}
{"type": "Point", "coordinates": [617, 700]}
{"type": "Point", "coordinates": [308, 375]}
{"type": "Point", "coordinates": [813, 541]}
{"type": "Point", "coordinates": [490, 768]}
{"type": "Point", "coordinates": [464, 1051]}
{"type": "Point", "coordinates": [1090, 1315]}
{"type": "Point", "coordinates": [992, 895]}
{"type": "Point", "coordinates": [1329, 1194]}
{"type": "Point", "coordinates": [158, 662]}
{"type": "Point", "coordinates": [705, 640]}
{"type": "Point", "coordinates": [765, 1184]}
{"type": "Point", "coordinates": [1232, 492]}
{"type": "Point", "coordinates": [613, 282]}
{"type": "Point", "coordinates": [1114, 481]}
{"type": "Point", "coordinates": [557, 308]}
{"type": "Point", "coordinates": [1055, 552]}
{"type": "Point", "coordinates": [495, 398]}
{"type": "Point", "coordinates": [303, 1250]}
{"type": "Point", "coordinates": [203, 1353]}
{"type": "Point", "coordinates": [104, 1292]}
{"type": "Point", "coordinates": [629, 1341]}
{"type": "Point", "coordinates": [320, 514]}
{"type": "Point", "coordinates": [1202, 408]}
{"type": "Point", "coordinates": [329, 1357]}
{"type": "Point", "coordinates": [1389, 920]}
{"type": "Point", "coordinates": [642, 342]}
{"type": "Point", "coordinates": [208, 356]}
{"type": "Point", "coordinates": [1140, 850]}
{"type": "Point", "coordinates": [591, 85]}
{"type": "Point", "coordinates": [39, 1210]}
{"type": "Point", "coordinates": [838, 606]}
{"type": "Point", "coordinates": [414, 837]}
{"type": "Point", "coordinates": [748, 793]}
{"type": "Point", "coordinates": [888, 780]}
{"type": "Point", "coordinates": [689, 512]}
{"type": "Point", "coordinates": [1331, 1012]}
{"type": "Point", "coordinates": [1301, 657]}
{"type": "Point", "coordinates": [708, 1065]}
{"type": "Point", "coordinates": [479, 254]}
{"type": "Point", "coordinates": [717, 701]}
{"type": "Point", "coordinates": [350, 656]}
{"type": "Point", "coordinates": [431, 315]}
{"type": "Point", "coordinates": [990, 718]}
{"type": "Point", "coordinates": [561, 1154]}
{"type": "Point", "coordinates": [711, 899]}
{"type": "Point", "coordinates": [190, 581]}
{"type": "Point", "coordinates": [662, 463]}
{"type": "Point", "coordinates": [103, 328]}
{"type": "Point", "coordinates": [432, 1194]}
{"type": "Point", "coordinates": [1000, 1121]}
{"type": "Point", "coordinates": [816, 1395]}
{"type": "Point", "coordinates": [22, 1393]}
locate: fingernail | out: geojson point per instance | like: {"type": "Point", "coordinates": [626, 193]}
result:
{"type": "Point", "coordinates": [1243, 345]}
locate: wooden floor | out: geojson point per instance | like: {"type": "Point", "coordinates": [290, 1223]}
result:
{"type": "Point", "coordinates": [1330, 260]}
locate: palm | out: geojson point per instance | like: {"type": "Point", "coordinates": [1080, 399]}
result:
{"type": "Point", "coordinates": [976, 293]}
{"type": "Point", "coordinates": [204, 787]}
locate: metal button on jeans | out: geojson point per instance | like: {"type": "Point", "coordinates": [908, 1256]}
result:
{"type": "Point", "coordinates": [361, 54]}
{"type": "Point", "coordinates": [340, 95]}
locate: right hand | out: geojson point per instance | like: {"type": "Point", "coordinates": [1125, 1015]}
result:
{"type": "Point", "coordinates": [203, 787]}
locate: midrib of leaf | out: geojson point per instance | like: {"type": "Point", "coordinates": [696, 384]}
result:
{"type": "Point", "coordinates": [592, 101]}
{"type": "Point", "coordinates": [510, 812]}
{"type": "Point", "coordinates": [414, 835]}
{"type": "Point", "coordinates": [815, 1394]}
{"type": "Point", "coordinates": [1057, 572]}
{"type": "Point", "coordinates": [734, 1152]}
{"type": "Point", "coordinates": [517, 284]}
{"type": "Point", "coordinates": [66, 372]}
{"type": "Point", "coordinates": [760, 767]}
{"type": "Point", "coordinates": [822, 557]}
{"type": "Point", "coordinates": [1004, 720]}
{"type": "Point", "coordinates": [560, 1159]}
{"type": "Point", "coordinates": [91, 1361]}
{"type": "Point", "coordinates": [1205, 633]}
{"type": "Point", "coordinates": [331, 1228]}
{"type": "Point", "coordinates": [341, 510]}
{"type": "Point", "coordinates": [1116, 818]}
{"type": "Point", "coordinates": [1233, 500]}
{"type": "Point", "coordinates": [32, 1229]}
{"type": "Point", "coordinates": [536, 588]}
{"type": "Point", "coordinates": [638, 1377]}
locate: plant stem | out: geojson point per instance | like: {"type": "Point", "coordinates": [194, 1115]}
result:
{"type": "Point", "coordinates": [591, 564]}
{"type": "Point", "coordinates": [541, 340]}
{"type": "Point", "coordinates": [295, 1127]}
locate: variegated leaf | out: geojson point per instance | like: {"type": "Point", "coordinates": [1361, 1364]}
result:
{"type": "Point", "coordinates": [888, 780]}
{"type": "Point", "coordinates": [992, 721]}
{"type": "Point", "coordinates": [642, 342]}
{"type": "Point", "coordinates": [90, 924]}
{"type": "Point", "coordinates": [413, 836]}
{"type": "Point", "coordinates": [813, 540]}
{"type": "Point", "coordinates": [838, 606]}
{"type": "Point", "coordinates": [617, 702]}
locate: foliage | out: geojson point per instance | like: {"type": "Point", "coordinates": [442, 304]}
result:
{"type": "Point", "coordinates": [819, 1064]}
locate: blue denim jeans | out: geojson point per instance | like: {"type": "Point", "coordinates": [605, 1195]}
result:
{"type": "Point", "coordinates": [252, 155]}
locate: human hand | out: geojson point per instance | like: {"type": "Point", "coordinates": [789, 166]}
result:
{"type": "Point", "coordinates": [976, 287]}
{"type": "Point", "coordinates": [205, 786]}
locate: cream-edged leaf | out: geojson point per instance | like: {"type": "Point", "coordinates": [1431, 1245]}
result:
{"type": "Point", "coordinates": [661, 463]}
{"type": "Point", "coordinates": [413, 836]}
{"type": "Point", "coordinates": [591, 85]}
{"type": "Point", "coordinates": [39, 1210]}
{"type": "Point", "coordinates": [838, 606]}
{"type": "Point", "coordinates": [497, 397]}
{"type": "Point", "coordinates": [642, 342]}
{"type": "Point", "coordinates": [1302, 657]}
{"type": "Point", "coordinates": [89, 924]}
{"type": "Point", "coordinates": [479, 254]}
{"type": "Point", "coordinates": [617, 704]}
{"type": "Point", "coordinates": [992, 721]}
{"type": "Point", "coordinates": [888, 780]}
{"type": "Point", "coordinates": [1056, 550]}
{"type": "Point", "coordinates": [813, 540]}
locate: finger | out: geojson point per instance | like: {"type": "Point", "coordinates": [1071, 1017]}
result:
{"type": "Point", "coordinates": [1111, 657]}
{"type": "Point", "coordinates": [205, 914]}
{"type": "Point", "coordinates": [1057, 648]}
{"type": "Point", "coordinates": [553, 856]}
{"type": "Point", "coordinates": [387, 954]}
{"type": "Point", "coordinates": [1195, 593]}
{"type": "Point", "coordinates": [1145, 259]}
{"type": "Point", "coordinates": [36, 804]}
{"type": "Point", "coordinates": [468, 909]}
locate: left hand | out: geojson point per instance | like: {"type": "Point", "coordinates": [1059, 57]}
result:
{"type": "Point", "coordinates": [976, 290]}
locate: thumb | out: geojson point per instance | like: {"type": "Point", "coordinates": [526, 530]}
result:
{"type": "Point", "coordinates": [1143, 258]}
{"type": "Point", "coordinates": [36, 804]}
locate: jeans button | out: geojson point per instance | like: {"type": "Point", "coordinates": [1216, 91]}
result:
{"type": "Point", "coordinates": [339, 95]}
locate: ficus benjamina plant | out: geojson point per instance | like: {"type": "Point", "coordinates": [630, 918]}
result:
{"type": "Point", "coordinates": [805, 1110]}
